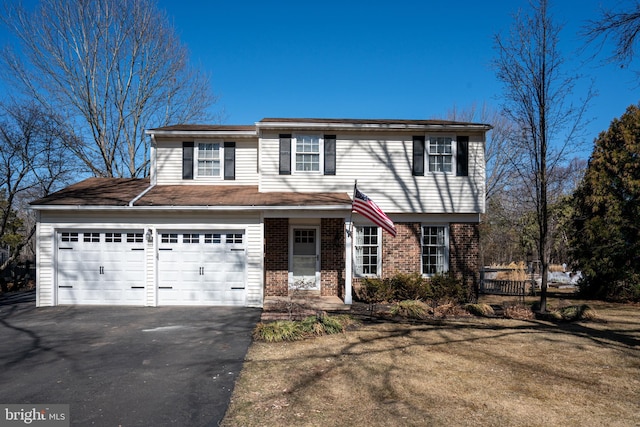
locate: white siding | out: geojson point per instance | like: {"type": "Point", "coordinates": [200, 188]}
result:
{"type": "Point", "coordinates": [151, 268]}
{"type": "Point", "coordinates": [382, 164]}
{"type": "Point", "coordinates": [45, 242]}
{"type": "Point", "coordinates": [50, 222]}
{"type": "Point", "coordinates": [255, 266]}
{"type": "Point", "coordinates": [169, 164]}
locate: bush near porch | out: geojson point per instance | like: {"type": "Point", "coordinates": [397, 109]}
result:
{"type": "Point", "coordinates": [401, 287]}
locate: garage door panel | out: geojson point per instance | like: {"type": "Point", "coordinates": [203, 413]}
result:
{"type": "Point", "coordinates": [205, 267]}
{"type": "Point", "coordinates": [100, 267]}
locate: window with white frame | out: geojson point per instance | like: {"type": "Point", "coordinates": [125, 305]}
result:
{"type": "Point", "coordinates": [367, 250]}
{"type": "Point", "coordinates": [440, 153]}
{"type": "Point", "coordinates": [208, 159]}
{"type": "Point", "coordinates": [307, 153]}
{"type": "Point", "coordinates": [435, 249]}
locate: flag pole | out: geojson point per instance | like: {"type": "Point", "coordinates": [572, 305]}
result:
{"type": "Point", "coordinates": [355, 186]}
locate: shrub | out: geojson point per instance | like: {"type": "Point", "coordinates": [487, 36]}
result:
{"type": "Point", "coordinates": [401, 287]}
{"type": "Point", "coordinates": [445, 287]}
{"type": "Point", "coordinates": [291, 330]}
{"type": "Point", "coordinates": [278, 331]}
{"type": "Point", "coordinates": [622, 290]}
{"type": "Point", "coordinates": [411, 309]}
{"type": "Point", "coordinates": [574, 313]}
{"type": "Point", "coordinates": [411, 287]}
{"type": "Point", "coordinates": [376, 290]}
{"type": "Point", "coordinates": [484, 310]}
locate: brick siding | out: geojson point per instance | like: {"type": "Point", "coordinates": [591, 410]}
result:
{"type": "Point", "coordinates": [276, 257]}
{"type": "Point", "coordinates": [332, 259]}
{"type": "Point", "coordinates": [401, 254]}
{"type": "Point", "coordinates": [464, 253]}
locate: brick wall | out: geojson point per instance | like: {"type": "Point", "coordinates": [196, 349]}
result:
{"type": "Point", "coordinates": [332, 259]}
{"type": "Point", "coordinates": [403, 254]}
{"type": "Point", "coordinates": [276, 257]}
{"type": "Point", "coordinates": [464, 253]}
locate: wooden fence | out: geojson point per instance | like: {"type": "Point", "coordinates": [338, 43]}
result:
{"type": "Point", "coordinates": [505, 287]}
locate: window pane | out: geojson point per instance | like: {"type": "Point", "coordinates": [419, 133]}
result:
{"type": "Point", "coordinates": [366, 250]}
{"type": "Point", "coordinates": [434, 250]}
{"type": "Point", "coordinates": [208, 159]}
{"type": "Point", "coordinates": [307, 153]}
{"type": "Point", "coordinates": [440, 154]}
{"type": "Point", "coordinates": [91, 237]}
{"type": "Point", "coordinates": [169, 238]}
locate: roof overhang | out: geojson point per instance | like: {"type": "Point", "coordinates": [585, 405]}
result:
{"type": "Point", "coordinates": [373, 125]}
{"type": "Point", "coordinates": [159, 208]}
{"type": "Point", "coordinates": [185, 133]}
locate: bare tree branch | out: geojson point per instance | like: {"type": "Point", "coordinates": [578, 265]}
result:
{"type": "Point", "coordinates": [34, 162]}
{"type": "Point", "coordinates": [548, 126]}
{"type": "Point", "coordinates": [622, 27]}
{"type": "Point", "coordinates": [113, 67]}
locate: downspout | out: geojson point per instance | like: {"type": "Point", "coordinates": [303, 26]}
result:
{"type": "Point", "coordinates": [141, 195]}
{"type": "Point", "coordinates": [152, 172]}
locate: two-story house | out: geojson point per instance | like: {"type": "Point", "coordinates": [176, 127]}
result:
{"type": "Point", "coordinates": [231, 215]}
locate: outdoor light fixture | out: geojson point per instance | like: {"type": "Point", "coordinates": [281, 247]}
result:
{"type": "Point", "coordinates": [149, 236]}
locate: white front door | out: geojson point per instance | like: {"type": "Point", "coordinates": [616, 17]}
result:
{"type": "Point", "coordinates": [304, 271]}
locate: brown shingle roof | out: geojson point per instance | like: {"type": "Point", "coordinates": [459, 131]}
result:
{"type": "Point", "coordinates": [302, 121]}
{"type": "Point", "coordinates": [435, 122]}
{"type": "Point", "coordinates": [237, 195]}
{"type": "Point", "coordinates": [189, 127]}
{"type": "Point", "coordinates": [97, 192]}
{"type": "Point", "coordinates": [121, 191]}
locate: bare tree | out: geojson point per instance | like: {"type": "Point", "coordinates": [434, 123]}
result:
{"type": "Point", "coordinates": [498, 150]}
{"type": "Point", "coordinates": [536, 99]}
{"type": "Point", "coordinates": [33, 163]}
{"type": "Point", "coordinates": [622, 27]}
{"type": "Point", "coordinates": [113, 68]}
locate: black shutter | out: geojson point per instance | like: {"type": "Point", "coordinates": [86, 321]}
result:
{"type": "Point", "coordinates": [285, 154]}
{"type": "Point", "coordinates": [329, 154]}
{"type": "Point", "coordinates": [229, 160]}
{"type": "Point", "coordinates": [187, 160]}
{"type": "Point", "coordinates": [418, 155]}
{"type": "Point", "coordinates": [462, 156]}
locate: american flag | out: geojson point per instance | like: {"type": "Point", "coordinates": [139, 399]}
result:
{"type": "Point", "coordinates": [367, 208]}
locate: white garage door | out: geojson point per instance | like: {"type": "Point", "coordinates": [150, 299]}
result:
{"type": "Point", "coordinates": [201, 268]}
{"type": "Point", "coordinates": [101, 267]}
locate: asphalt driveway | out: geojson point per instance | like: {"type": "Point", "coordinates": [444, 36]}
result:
{"type": "Point", "coordinates": [128, 366]}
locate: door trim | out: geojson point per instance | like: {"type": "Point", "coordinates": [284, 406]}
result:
{"type": "Point", "coordinates": [292, 229]}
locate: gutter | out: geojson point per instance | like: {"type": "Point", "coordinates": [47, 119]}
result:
{"type": "Point", "coordinates": [374, 126]}
{"type": "Point", "coordinates": [130, 207]}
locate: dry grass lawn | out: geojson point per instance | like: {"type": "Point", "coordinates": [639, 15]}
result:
{"type": "Point", "coordinates": [455, 372]}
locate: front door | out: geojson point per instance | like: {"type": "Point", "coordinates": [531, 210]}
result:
{"type": "Point", "coordinates": [305, 259]}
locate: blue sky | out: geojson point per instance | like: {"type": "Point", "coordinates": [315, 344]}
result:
{"type": "Point", "coordinates": [374, 59]}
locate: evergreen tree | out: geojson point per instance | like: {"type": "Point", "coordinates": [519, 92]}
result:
{"type": "Point", "coordinates": [606, 246]}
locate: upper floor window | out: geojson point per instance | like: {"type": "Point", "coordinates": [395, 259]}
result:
{"type": "Point", "coordinates": [308, 153]}
{"type": "Point", "coordinates": [441, 154]}
{"type": "Point", "coordinates": [208, 159]}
